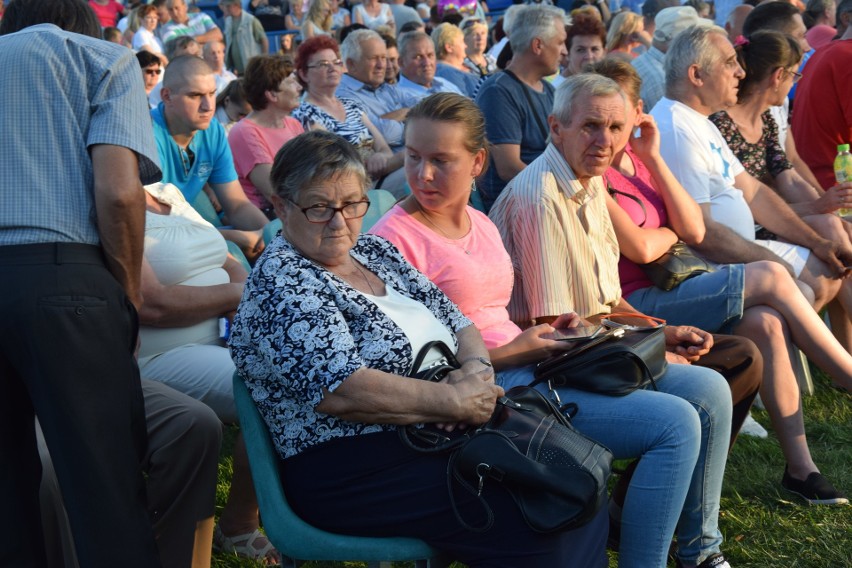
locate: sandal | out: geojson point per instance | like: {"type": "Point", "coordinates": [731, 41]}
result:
{"type": "Point", "coordinates": [253, 545]}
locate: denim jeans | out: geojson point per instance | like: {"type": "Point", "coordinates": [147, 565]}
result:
{"type": "Point", "coordinates": [681, 433]}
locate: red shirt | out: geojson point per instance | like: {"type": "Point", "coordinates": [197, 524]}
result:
{"type": "Point", "coordinates": [107, 13]}
{"type": "Point", "coordinates": [822, 115]}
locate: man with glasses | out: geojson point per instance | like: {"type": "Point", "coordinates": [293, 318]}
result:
{"type": "Point", "coordinates": [194, 149]}
{"type": "Point", "coordinates": [702, 77]}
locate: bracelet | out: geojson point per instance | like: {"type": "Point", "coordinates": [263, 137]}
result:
{"type": "Point", "coordinates": [482, 360]}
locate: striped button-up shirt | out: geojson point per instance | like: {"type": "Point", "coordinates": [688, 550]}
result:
{"type": "Point", "coordinates": [561, 240]}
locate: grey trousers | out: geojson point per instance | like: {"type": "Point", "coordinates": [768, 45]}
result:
{"type": "Point", "coordinates": [184, 436]}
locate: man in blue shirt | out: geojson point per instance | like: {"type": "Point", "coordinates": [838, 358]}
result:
{"type": "Point", "coordinates": [417, 64]}
{"type": "Point", "coordinates": [365, 55]}
{"type": "Point", "coordinates": [516, 102]}
{"type": "Point", "coordinates": [194, 151]}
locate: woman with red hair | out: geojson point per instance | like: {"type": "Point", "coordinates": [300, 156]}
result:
{"type": "Point", "coordinates": [320, 68]}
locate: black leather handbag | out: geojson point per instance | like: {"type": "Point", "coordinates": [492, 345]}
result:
{"type": "Point", "coordinates": [557, 476]}
{"type": "Point", "coordinates": [615, 363]}
{"type": "Point", "coordinates": [679, 263]}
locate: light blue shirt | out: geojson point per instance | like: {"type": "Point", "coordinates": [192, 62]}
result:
{"type": "Point", "coordinates": [649, 65]}
{"type": "Point", "coordinates": [379, 101]}
{"type": "Point", "coordinates": [62, 94]}
{"type": "Point", "coordinates": [213, 160]}
{"type": "Point", "coordinates": [413, 92]}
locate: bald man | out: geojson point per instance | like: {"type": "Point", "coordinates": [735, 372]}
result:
{"type": "Point", "coordinates": [193, 148]}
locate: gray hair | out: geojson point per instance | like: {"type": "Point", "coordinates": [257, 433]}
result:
{"type": "Point", "coordinates": [510, 16]}
{"type": "Point", "coordinates": [408, 38]}
{"type": "Point", "coordinates": [350, 49]}
{"type": "Point", "coordinates": [535, 21]}
{"type": "Point", "coordinates": [312, 156]}
{"type": "Point", "coordinates": [582, 84]}
{"type": "Point", "coordinates": [690, 47]}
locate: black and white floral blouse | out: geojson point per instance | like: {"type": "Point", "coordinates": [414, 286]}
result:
{"type": "Point", "coordinates": [301, 329]}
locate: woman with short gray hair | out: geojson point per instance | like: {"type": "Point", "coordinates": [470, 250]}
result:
{"type": "Point", "coordinates": [325, 337]}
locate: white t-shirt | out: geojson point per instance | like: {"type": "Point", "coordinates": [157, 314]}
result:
{"type": "Point", "coordinates": [415, 320]}
{"type": "Point", "coordinates": [143, 37]}
{"type": "Point", "coordinates": [780, 114]}
{"type": "Point", "coordinates": [702, 162]}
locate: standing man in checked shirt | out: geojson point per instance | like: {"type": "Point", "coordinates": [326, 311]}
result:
{"type": "Point", "coordinates": [71, 230]}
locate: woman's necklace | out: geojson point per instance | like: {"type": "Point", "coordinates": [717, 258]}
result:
{"type": "Point", "coordinates": [364, 276]}
{"type": "Point", "coordinates": [439, 229]}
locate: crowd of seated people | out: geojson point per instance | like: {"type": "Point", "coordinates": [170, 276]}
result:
{"type": "Point", "coordinates": [480, 149]}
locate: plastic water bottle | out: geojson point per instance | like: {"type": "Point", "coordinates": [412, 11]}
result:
{"type": "Point", "coordinates": [843, 172]}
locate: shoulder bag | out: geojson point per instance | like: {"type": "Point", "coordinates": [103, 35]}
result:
{"type": "Point", "coordinates": [556, 476]}
{"type": "Point", "coordinates": [615, 363]}
{"type": "Point", "coordinates": [677, 264]}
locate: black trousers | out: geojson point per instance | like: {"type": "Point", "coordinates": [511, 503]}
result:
{"type": "Point", "coordinates": [372, 485]}
{"type": "Point", "coordinates": [66, 355]}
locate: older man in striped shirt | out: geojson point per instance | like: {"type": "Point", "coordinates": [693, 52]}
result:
{"type": "Point", "coordinates": [554, 223]}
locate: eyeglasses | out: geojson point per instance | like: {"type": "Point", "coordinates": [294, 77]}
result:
{"type": "Point", "coordinates": [324, 213]}
{"type": "Point", "coordinates": [153, 72]}
{"type": "Point", "coordinates": [795, 74]}
{"type": "Point", "coordinates": [327, 65]}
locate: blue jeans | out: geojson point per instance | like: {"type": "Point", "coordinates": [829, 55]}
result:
{"type": "Point", "coordinates": [681, 433]}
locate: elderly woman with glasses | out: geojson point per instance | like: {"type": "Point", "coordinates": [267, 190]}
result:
{"type": "Point", "coordinates": [145, 38]}
{"type": "Point", "coordinates": [325, 336]}
{"type": "Point", "coordinates": [320, 68]}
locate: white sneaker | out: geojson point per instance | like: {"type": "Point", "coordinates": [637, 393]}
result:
{"type": "Point", "coordinates": [752, 428]}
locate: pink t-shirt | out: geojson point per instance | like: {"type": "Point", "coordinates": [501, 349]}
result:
{"type": "Point", "coordinates": [252, 144]}
{"type": "Point", "coordinates": [654, 216]}
{"type": "Point", "coordinates": [107, 13]}
{"type": "Point", "coordinates": [480, 283]}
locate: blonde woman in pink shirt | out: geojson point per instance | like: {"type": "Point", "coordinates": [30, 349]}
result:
{"type": "Point", "coordinates": [460, 250]}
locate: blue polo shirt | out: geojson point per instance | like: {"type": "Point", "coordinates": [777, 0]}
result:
{"type": "Point", "coordinates": [213, 161]}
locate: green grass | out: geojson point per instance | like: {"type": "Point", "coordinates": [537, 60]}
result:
{"type": "Point", "coordinates": [764, 527]}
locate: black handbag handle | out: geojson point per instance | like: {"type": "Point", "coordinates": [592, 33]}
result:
{"type": "Point", "coordinates": [442, 347]}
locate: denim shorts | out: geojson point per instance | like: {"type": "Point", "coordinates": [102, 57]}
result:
{"type": "Point", "coordinates": [712, 302]}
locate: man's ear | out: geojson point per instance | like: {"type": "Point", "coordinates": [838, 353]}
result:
{"type": "Point", "coordinates": [165, 94]}
{"type": "Point", "coordinates": [535, 46]}
{"type": "Point", "coordinates": [555, 129]}
{"type": "Point", "coordinates": [695, 75]}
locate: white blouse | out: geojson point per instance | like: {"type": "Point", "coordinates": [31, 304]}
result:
{"type": "Point", "coordinates": [182, 248]}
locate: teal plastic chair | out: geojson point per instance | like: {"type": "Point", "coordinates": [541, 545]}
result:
{"type": "Point", "coordinates": [270, 230]}
{"type": "Point", "coordinates": [293, 537]}
{"type": "Point", "coordinates": [381, 201]}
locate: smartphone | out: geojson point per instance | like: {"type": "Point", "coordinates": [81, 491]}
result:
{"type": "Point", "coordinates": [574, 333]}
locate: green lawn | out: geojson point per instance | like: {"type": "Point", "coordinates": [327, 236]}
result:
{"type": "Point", "coordinates": [764, 526]}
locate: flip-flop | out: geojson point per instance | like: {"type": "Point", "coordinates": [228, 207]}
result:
{"type": "Point", "coordinates": [244, 545]}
